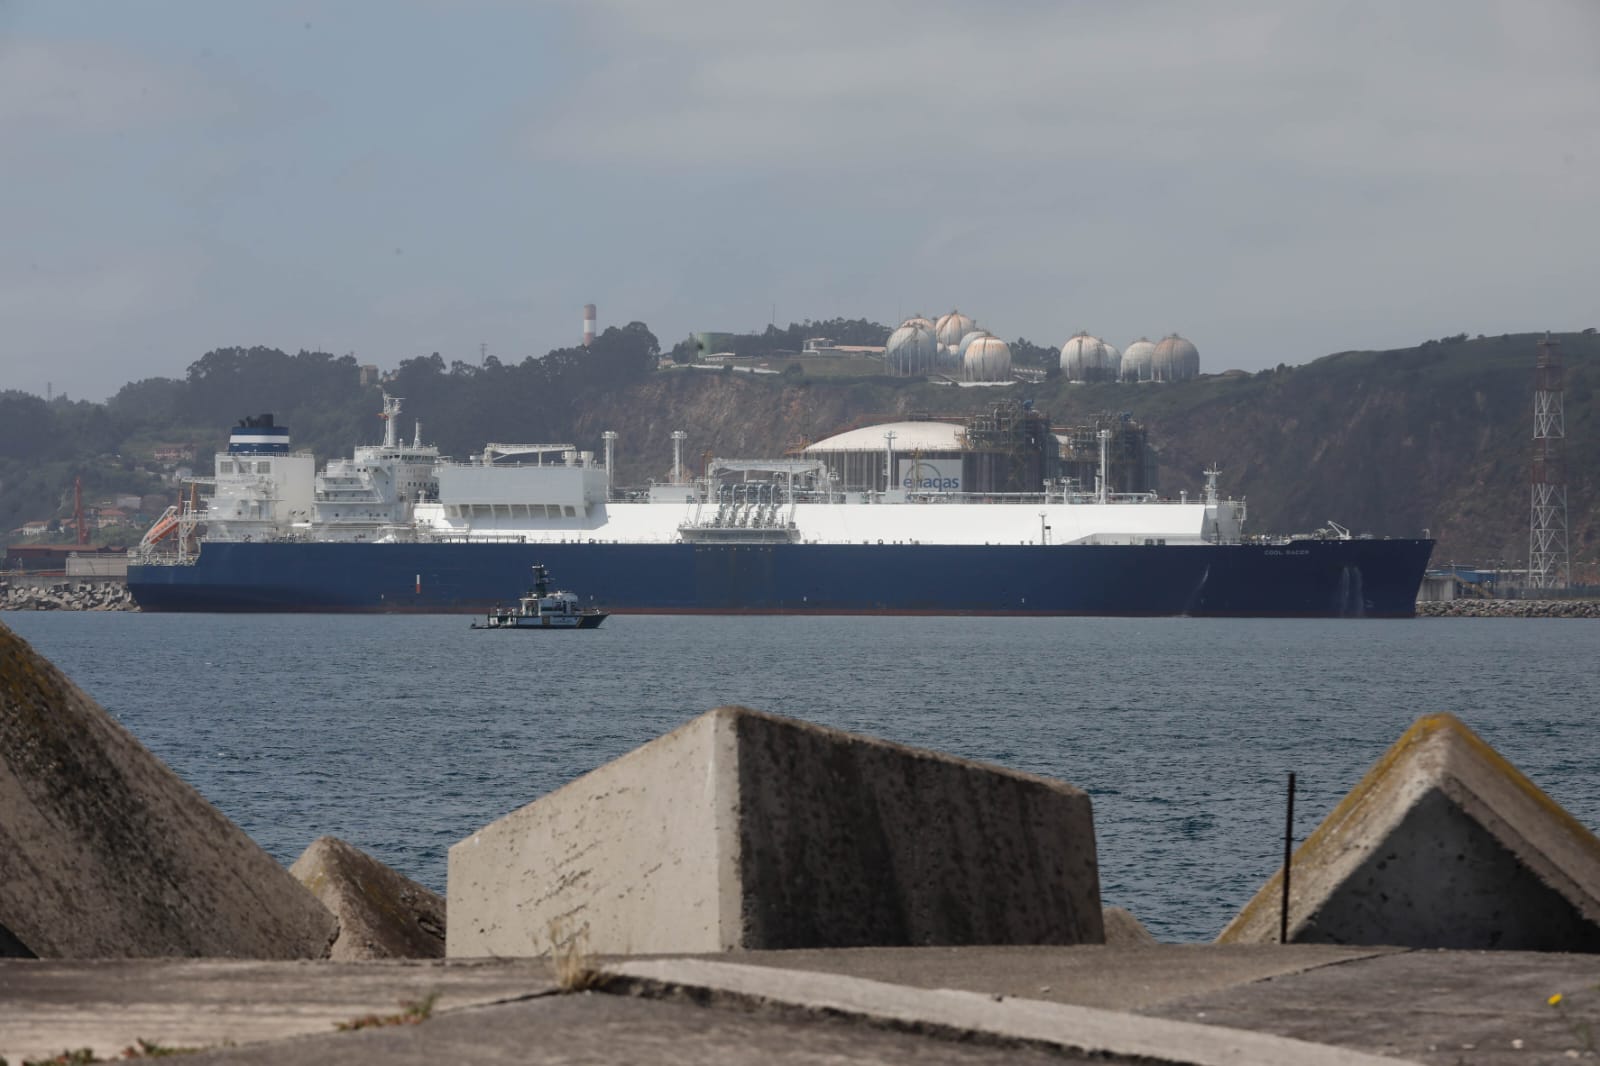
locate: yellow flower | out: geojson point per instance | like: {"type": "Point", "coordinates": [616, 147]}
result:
{"type": "Point", "coordinates": [1555, 1000]}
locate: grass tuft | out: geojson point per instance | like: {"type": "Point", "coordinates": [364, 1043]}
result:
{"type": "Point", "coordinates": [139, 1049]}
{"type": "Point", "coordinates": [412, 1012]}
{"type": "Point", "coordinates": [574, 968]}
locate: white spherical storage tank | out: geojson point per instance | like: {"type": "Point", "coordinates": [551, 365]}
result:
{"type": "Point", "coordinates": [1113, 362]}
{"type": "Point", "coordinates": [966, 341]}
{"type": "Point", "coordinates": [1175, 359]}
{"type": "Point", "coordinates": [952, 327]}
{"type": "Point", "coordinates": [1088, 358]}
{"type": "Point", "coordinates": [986, 359]}
{"type": "Point", "coordinates": [1136, 360]}
{"type": "Point", "coordinates": [910, 350]}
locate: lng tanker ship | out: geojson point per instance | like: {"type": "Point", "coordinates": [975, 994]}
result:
{"type": "Point", "coordinates": [993, 514]}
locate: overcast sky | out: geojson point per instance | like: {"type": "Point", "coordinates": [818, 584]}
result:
{"type": "Point", "coordinates": [389, 178]}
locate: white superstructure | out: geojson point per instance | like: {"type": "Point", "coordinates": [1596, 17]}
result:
{"type": "Point", "coordinates": [259, 488]}
{"type": "Point", "coordinates": [370, 496]}
{"type": "Point", "coordinates": [793, 501]}
{"type": "Point", "coordinates": [555, 493]}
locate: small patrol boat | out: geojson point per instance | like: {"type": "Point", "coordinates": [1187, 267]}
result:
{"type": "Point", "coordinates": [543, 609]}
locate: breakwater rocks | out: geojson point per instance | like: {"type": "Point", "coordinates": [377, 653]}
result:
{"type": "Point", "coordinates": [66, 596]}
{"type": "Point", "coordinates": [1510, 609]}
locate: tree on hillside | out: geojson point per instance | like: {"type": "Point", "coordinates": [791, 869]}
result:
{"type": "Point", "coordinates": [792, 338]}
{"type": "Point", "coordinates": [27, 428]}
{"type": "Point", "coordinates": [686, 351]}
{"type": "Point", "coordinates": [1025, 353]}
{"type": "Point", "coordinates": [624, 354]}
{"type": "Point", "coordinates": [227, 383]}
{"type": "Point", "coordinates": [149, 402]}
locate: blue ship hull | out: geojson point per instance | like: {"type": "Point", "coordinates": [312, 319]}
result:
{"type": "Point", "coordinates": [1313, 578]}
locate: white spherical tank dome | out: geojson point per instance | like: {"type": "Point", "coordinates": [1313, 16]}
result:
{"type": "Point", "coordinates": [1174, 359]}
{"type": "Point", "coordinates": [966, 341]}
{"type": "Point", "coordinates": [1136, 360]}
{"type": "Point", "coordinates": [1085, 358]}
{"type": "Point", "coordinates": [910, 350]}
{"type": "Point", "coordinates": [1113, 362]}
{"type": "Point", "coordinates": [919, 320]}
{"type": "Point", "coordinates": [952, 327]}
{"type": "Point", "coordinates": [986, 359]}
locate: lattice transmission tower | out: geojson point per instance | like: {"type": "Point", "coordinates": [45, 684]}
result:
{"type": "Point", "coordinates": [1548, 565]}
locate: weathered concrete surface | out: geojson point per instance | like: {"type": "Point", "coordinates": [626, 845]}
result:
{"type": "Point", "coordinates": [1115, 978]}
{"type": "Point", "coordinates": [596, 1028]}
{"type": "Point", "coordinates": [1079, 1030]}
{"type": "Point", "coordinates": [382, 915]}
{"type": "Point", "coordinates": [1441, 1007]}
{"type": "Point", "coordinates": [1124, 930]}
{"type": "Point", "coordinates": [1446, 1008]}
{"type": "Point", "coordinates": [1443, 844]}
{"type": "Point", "coordinates": [47, 1006]}
{"type": "Point", "coordinates": [744, 829]}
{"type": "Point", "coordinates": [105, 852]}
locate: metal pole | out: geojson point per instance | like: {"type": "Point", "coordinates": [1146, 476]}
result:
{"type": "Point", "coordinates": [1288, 854]}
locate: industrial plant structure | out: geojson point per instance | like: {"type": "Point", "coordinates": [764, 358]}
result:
{"type": "Point", "coordinates": [1009, 448]}
{"type": "Point", "coordinates": [1086, 358]}
{"type": "Point", "coordinates": [955, 347]}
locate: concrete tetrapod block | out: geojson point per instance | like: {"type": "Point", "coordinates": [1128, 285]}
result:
{"type": "Point", "coordinates": [747, 830]}
{"type": "Point", "coordinates": [382, 915]}
{"type": "Point", "coordinates": [105, 852]}
{"type": "Point", "coordinates": [1123, 930]}
{"type": "Point", "coordinates": [1443, 844]}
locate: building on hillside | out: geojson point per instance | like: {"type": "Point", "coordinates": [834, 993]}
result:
{"type": "Point", "coordinates": [817, 346]}
{"type": "Point", "coordinates": [32, 529]}
{"type": "Point", "coordinates": [173, 453]}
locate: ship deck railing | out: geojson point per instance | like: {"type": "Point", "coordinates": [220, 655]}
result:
{"type": "Point", "coordinates": [476, 538]}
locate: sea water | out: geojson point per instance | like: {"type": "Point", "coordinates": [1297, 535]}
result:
{"type": "Point", "coordinates": [403, 734]}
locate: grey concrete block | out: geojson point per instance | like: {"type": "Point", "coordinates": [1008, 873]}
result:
{"type": "Point", "coordinates": [747, 830]}
{"type": "Point", "coordinates": [1443, 844]}
{"type": "Point", "coordinates": [382, 915]}
{"type": "Point", "coordinates": [105, 852]}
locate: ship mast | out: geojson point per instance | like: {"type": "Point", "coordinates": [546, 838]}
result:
{"type": "Point", "coordinates": [391, 412]}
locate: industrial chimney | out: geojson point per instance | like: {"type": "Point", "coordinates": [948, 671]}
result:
{"type": "Point", "coordinates": [588, 324]}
